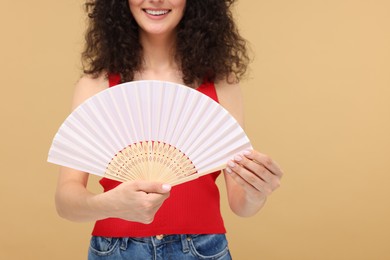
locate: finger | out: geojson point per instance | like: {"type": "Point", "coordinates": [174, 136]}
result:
{"type": "Point", "coordinates": [264, 160]}
{"type": "Point", "coordinates": [253, 166]}
{"type": "Point", "coordinates": [260, 170]}
{"type": "Point", "coordinates": [249, 185]}
{"type": "Point", "coordinates": [239, 180]}
{"type": "Point", "coordinates": [152, 187]}
{"type": "Point", "coordinates": [247, 176]}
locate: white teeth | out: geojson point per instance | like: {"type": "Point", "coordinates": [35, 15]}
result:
{"type": "Point", "coordinates": [156, 12]}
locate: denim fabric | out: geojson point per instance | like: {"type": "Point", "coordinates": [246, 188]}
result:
{"type": "Point", "coordinates": [170, 247]}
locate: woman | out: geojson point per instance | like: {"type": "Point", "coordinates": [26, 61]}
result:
{"type": "Point", "coordinates": [193, 42]}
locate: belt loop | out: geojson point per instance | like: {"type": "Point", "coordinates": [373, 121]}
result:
{"type": "Point", "coordinates": [123, 243]}
{"type": "Point", "coordinates": [184, 243]}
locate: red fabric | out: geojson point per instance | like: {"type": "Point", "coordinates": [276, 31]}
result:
{"type": "Point", "coordinates": [114, 79]}
{"type": "Point", "coordinates": [192, 208]}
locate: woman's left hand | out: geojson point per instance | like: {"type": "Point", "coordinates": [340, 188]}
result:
{"type": "Point", "coordinates": [256, 173]}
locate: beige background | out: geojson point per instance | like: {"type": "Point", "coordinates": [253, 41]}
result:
{"type": "Point", "coordinates": [317, 101]}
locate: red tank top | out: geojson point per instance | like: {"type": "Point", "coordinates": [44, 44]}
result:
{"type": "Point", "coordinates": [192, 207]}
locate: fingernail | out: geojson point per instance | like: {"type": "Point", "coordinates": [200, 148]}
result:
{"type": "Point", "coordinates": [228, 170]}
{"type": "Point", "coordinates": [166, 187]}
{"type": "Point", "coordinates": [237, 158]}
{"type": "Point", "coordinates": [247, 152]}
{"type": "Point", "coordinates": [231, 164]}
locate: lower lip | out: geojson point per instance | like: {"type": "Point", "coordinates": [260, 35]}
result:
{"type": "Point", "coordinates": [156, 17]}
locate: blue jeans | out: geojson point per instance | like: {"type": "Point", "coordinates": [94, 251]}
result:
{"type": "Point", "coordinates": [170, 247]}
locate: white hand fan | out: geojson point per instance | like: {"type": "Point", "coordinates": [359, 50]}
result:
{"type": "Point", "coordinates": [148, 130]}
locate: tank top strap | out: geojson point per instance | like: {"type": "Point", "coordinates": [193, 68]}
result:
{"type": "Point", "coordinates": [114, 79]}
{"type": "Point", "coordinates": [208, 88]}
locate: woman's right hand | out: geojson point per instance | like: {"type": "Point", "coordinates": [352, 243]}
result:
{"type": "Point", "coordinates": [135, 200]}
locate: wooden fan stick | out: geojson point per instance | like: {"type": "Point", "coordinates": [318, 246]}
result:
{"type": "Point", "coordinates": [151, 161]}
{"type": "Point", "coordinates": [197, 175]}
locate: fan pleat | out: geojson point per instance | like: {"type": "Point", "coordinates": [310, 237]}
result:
{"type": "Point", "coordinates": [164, 112]}
{"type": "Point", "coordinates": [174, 115]}
{"type": "Point", "coordinates": [64, 156]}
{"type": "Point", "coordinates": [136, 112]}
{"type": "Point", "coordinates": [219, 158]}
{"type": "Point", "coordinates": [89, 131]}
{"type": "Point", "coordinates": [124, 100]}
{"type": "Point", "coordinates": [70, 139]}
{"type": "Point", "coordinates": [117, 110]}
{"type": "Point", "coordinates": [221, 125]}
{"type": "Point", "coordinates": [191, 114]}
{"type": "Point", "coordinates": [197, 138]}
{"type": "Point", "coordinates": [85, 135]}
{"type": "Point", "coordinates": [100, 126]}
{"type": "Point", "coordinates": [213, 134]}
{"type": "Point", "coordinates": [156, 98]}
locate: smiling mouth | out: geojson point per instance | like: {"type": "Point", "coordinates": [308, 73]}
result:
{"type": "Point", "coordinates": [156, 12]}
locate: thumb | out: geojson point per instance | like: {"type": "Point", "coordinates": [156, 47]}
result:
{"type": "Point", "coordinates": [153, 187]}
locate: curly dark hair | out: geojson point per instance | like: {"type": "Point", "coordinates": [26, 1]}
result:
{"type": "Point", "coordinates": [208, 42]}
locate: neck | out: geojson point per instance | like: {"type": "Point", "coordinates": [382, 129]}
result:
{"type": "Point", "coordinates": [158, 52]}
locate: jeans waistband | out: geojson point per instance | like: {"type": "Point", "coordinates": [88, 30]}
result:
{"type": "Point", "coordinates": [160, 239]}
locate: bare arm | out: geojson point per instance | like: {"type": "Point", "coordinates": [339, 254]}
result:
{"type": "Point", "coordinates": [135, 201]}
{"type": "Point", "coordinates": [252, 176]}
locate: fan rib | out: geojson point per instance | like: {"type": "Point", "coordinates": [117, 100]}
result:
{"type": "Point", "coordinates": [167, 164]}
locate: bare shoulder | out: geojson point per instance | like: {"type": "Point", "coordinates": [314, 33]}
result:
{"type": "Point", "coordinates": [230, 97]}
{"type": "Point", "coordinates": [86, 87]}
